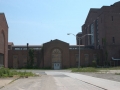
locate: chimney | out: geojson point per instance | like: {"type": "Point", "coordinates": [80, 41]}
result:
{"type": "Point", "coordinates": [27, 46]}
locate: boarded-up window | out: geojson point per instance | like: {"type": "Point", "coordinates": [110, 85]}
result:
{"type": "Point", "coordinates": [24, 60]}
{"type": "Point", "coordinates": [15, 61]}
{"type": "Point", "coordinates": [35, 61]}
{"type": "Point", "coordinates": [94, 57]}
{"type": "Point", "coordinates": [1, 60]}
{"type": "Point", "coordinates": [86, 59]}
{"type": "Point", "coordinates": [77, 59]}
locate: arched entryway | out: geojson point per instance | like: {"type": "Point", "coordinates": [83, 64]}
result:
{"type": "Point", "coordinates": [56, 59]}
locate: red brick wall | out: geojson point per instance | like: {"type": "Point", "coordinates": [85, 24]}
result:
{"type": "Point", "coordinates": [48, 47]}
{"type": "Point", "coordinates": [90, 52]}
{"type": "Point", "coordinates": [21, 55]}
{"type": "Point", "coordinates": [107, 29]}
{"type": "Point", "coordinates": [4, 38]}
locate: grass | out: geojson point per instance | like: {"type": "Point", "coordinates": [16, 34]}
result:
{"type": "Point", "coordinates": [85, 69]}
{"type": "Point", "coordinates": [117, 73]}
{"type": "Point", "coordinates": [110, 68]}
{"type": "Point", "coordinates": [92, 69]}
{"type": "Point", "coordinates": [6, 72]}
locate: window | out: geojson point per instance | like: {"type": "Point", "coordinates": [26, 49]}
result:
{"type": "Point", "coordinates": [95, 57]}
{"type": "Point", "coordinates": [1, 60]}
{"type": "Point", "coordinates": [17, 48]}
{"type": "Point", "coordinates": [86, 59]}
{"type": "Point", "coordinates": [98, 40]}
{"type": "Point", "coordinates": [113, 40]}
{"type": "Point", "coordinates": [112, 18]}
{"type": "Point", "coordinates": [97, 21]}
{"type": "Point", "coordinates": [24, 48]}
{"type": "Point", "coordinates": [92, 32]}
{"type": "Point", "coordinates": [77, 57]}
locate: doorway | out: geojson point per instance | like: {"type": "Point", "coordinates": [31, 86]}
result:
{"type": "Point", "coordinates": [56, 59]}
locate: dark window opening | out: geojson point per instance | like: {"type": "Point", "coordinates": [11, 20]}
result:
{"type": "Point", "coordinates": [113, 39]}
{"type": "Point", "coordinates": [1, 60]}
{"type": "Point", "coordinates": [112, 18]}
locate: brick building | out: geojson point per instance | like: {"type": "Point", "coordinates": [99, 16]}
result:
{"type": "Point", "coordinates": [3, 41]}
{"type": "Point", "coordinates": [104, 24]}
{"type": "Point", "coordinates": [103, 46]}
{"type": "Point", "coordinates": [54, 54]}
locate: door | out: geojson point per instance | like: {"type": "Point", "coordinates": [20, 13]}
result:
{"type": "Point", "coordinates": [56, 66]}
{"type": "Point", "coordinates": [56, 59]}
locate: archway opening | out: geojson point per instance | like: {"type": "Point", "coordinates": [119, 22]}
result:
{"type": "Point", "coordinates": [56, 59]}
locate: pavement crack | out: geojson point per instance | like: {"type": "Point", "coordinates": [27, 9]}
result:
{"type": "Point", "coordinates": [93, 84]}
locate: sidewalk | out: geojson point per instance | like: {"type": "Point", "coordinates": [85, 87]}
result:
{"type": "Point", "coordinates": [99, 82]}
{"type": "Point", "coordinates": [5, 81]}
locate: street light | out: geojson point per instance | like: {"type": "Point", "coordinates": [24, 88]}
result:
{"type": "Point", "coordinates": [79, 44]}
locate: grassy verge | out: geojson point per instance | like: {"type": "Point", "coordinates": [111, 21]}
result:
{"type": "Point", "coordinates": [110, 68]}
{"type": "Point", "coordinates": [85, 69]}
{"type": "Point", "coordinates": [117, 73]}
{"type": "Point", "coordinates": [5, 72]}
{"type": "Point", "coordinates": [92, 69]}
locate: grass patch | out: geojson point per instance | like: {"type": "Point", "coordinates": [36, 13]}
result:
{"type": "Point", "coordinates": [84, 69]}
{"type": "Point", "coordinates": [6, 72]}
{"type": "Point", "coordinates": [117, 73]}
{"type": "Point", "coordinates": [93, 69]}
{"type": "Point", "coordinates": [109, 68]}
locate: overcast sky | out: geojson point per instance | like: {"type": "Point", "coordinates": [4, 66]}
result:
{"type": "Point", "coordinates": [39, 21]}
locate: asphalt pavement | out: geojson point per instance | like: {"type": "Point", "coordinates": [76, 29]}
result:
{"type": "Point", "coordinates": [62, 80]}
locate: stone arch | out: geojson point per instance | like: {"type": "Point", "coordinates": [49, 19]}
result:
{"type": "Point", "coordinates": [56, 58]}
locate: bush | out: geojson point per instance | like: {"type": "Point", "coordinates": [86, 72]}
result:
{"type": "Point", "coordinates": [5, 72]}
{"type": "Point", "coordinates": [94, 63]}
{"type": "Point", "coordinates": [84, 69]}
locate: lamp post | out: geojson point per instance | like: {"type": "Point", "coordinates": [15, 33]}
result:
{"type": "Point", "coordinates": [79, 44]}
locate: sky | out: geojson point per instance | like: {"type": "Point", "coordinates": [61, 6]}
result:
{"type": "Point", "coordinates": [40, 21]}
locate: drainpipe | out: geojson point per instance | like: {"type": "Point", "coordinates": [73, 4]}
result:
{"type": "Point", "coordinates": [116, 60]}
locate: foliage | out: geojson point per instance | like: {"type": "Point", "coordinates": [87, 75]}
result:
{"type": "Point", "coordinates": [84, 69]}
{"type": "Point", "coordinates": [93, 69]}
{"type": "Point", "coordinates": [6, 72]}
{"type": "Point", "coordinates": [30, 62]}
{"type": "Point", "coordinates": [117, 73]}
{"type": "Point", "coordinates": [94, 63]}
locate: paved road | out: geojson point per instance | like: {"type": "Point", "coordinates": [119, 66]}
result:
{"type": "Point", "coordinates": [62, 80]}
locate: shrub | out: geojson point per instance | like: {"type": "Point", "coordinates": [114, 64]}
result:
{"type": "Point", "coordinates": [5, 72]}
{"type": "Point", "coordinates": [94, 63]}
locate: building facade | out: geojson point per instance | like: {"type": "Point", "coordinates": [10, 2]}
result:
{"type": "Point", "coordinates": [103, 47]}
{"type": "Point", "coordinates": [104, 24]}
{"type": "Point", "coordinates": [55, 54]}
{"type": "Point", "coordinates": [3, 41]}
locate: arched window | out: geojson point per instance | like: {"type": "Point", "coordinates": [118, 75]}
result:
{"type": "Point", "coordinates": [56, 55]}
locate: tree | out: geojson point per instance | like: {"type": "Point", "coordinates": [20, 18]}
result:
{"type": "Point", "coordinates": [30, 62]}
